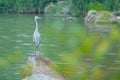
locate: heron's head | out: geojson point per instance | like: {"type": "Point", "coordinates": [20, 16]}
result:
{"type": "Point", "coordinates": [36, 17]}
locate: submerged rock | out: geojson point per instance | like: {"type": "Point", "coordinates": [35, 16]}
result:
{"type": "Point", "coordinates": [39, 68]}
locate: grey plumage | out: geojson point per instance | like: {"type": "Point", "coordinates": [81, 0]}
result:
{"type": "Point", "coordinates": [36, 35]}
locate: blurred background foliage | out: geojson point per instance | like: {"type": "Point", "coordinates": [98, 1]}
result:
{"type": "Point", "coordinates": [86, 55]}
{"type": "Point", "coordinates": [38, 6]}
{"type": "Point", "coordinates": [10, 58]}
{"type": "Point", "coordinates": [93, 57]}
{"type": "Point", "coordinates": [10, 65]}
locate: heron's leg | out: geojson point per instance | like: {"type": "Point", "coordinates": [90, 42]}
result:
{"type": "Point", "coordinates": [35, 51]}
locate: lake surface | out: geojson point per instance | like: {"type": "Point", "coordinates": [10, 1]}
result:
{"type": "Point", "coordinates": [16, 36]}
{"type": "Point", "coordinates": [58, 36]}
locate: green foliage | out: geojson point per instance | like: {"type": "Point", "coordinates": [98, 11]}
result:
{"type": "Point", "coordinates": [96, 6]}
{"type": "Point", "coordinates": [76, 6]}
{"type": "Point", "coordinates": [26, 70]}
{"type": "Point", "coordinates": [91, 58]}
{"type": "Point", "coordinates": [84, 55]}
{"type": "Point", "coordinates": [81, 6]}
{"type": "Point", "coordinates": [8, 64]}
{"type": "Point", "coordinates": [14, 6]}
{"type": "Point", "coordinates": [10, 58]}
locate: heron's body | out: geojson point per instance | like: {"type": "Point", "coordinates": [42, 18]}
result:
{"type": "Point", "coordinates": [36, 38]}
{"type": "Point", "coordinates": [36, 35]}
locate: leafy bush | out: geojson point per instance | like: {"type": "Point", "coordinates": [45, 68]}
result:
{"type": "Point", "coordinates": [96, 6]}
{"type": "Point", "coordinates": [93, 58]}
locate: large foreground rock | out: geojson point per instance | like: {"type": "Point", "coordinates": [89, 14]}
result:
{"type": "Point", "coordinates": [38, 68]}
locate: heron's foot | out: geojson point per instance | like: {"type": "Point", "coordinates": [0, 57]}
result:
{"type": "Point", "coordinates": [37, 53]}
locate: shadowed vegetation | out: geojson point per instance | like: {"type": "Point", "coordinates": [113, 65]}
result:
{"type": "Point", "coordinates": [38, 6]}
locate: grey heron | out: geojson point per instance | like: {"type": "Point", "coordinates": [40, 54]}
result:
{"type": "Point", "coordinates": [36, 35]}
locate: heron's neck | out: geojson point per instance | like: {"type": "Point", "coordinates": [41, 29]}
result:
{"type": "Point", "coordinates": [36, 24]}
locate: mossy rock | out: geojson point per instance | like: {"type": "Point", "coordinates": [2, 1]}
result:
{"type": "Point", "coordinates": [59, 8]}
{"type": "Point", "coordinates": [100, 17]}
{"type": "Point", "coordinates": [50, 9]}
{"type": "Point", "coordinates": [26, 70]}
{"type": "Point", "coordinates": [105, 17]}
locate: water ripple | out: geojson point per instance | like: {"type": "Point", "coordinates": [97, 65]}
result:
{"type": "Point", "coordinates": [23, 35]}
{"type": "Point", "coordinates": [27, 44]}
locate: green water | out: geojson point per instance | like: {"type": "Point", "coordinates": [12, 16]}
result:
{"type": "Point", "coordinates": [16, 36]}
{"type": "Point", "coordinates": [59, 36]}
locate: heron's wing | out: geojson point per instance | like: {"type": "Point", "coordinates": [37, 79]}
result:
{"type": "Point", "coordinates": [36, 38]}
